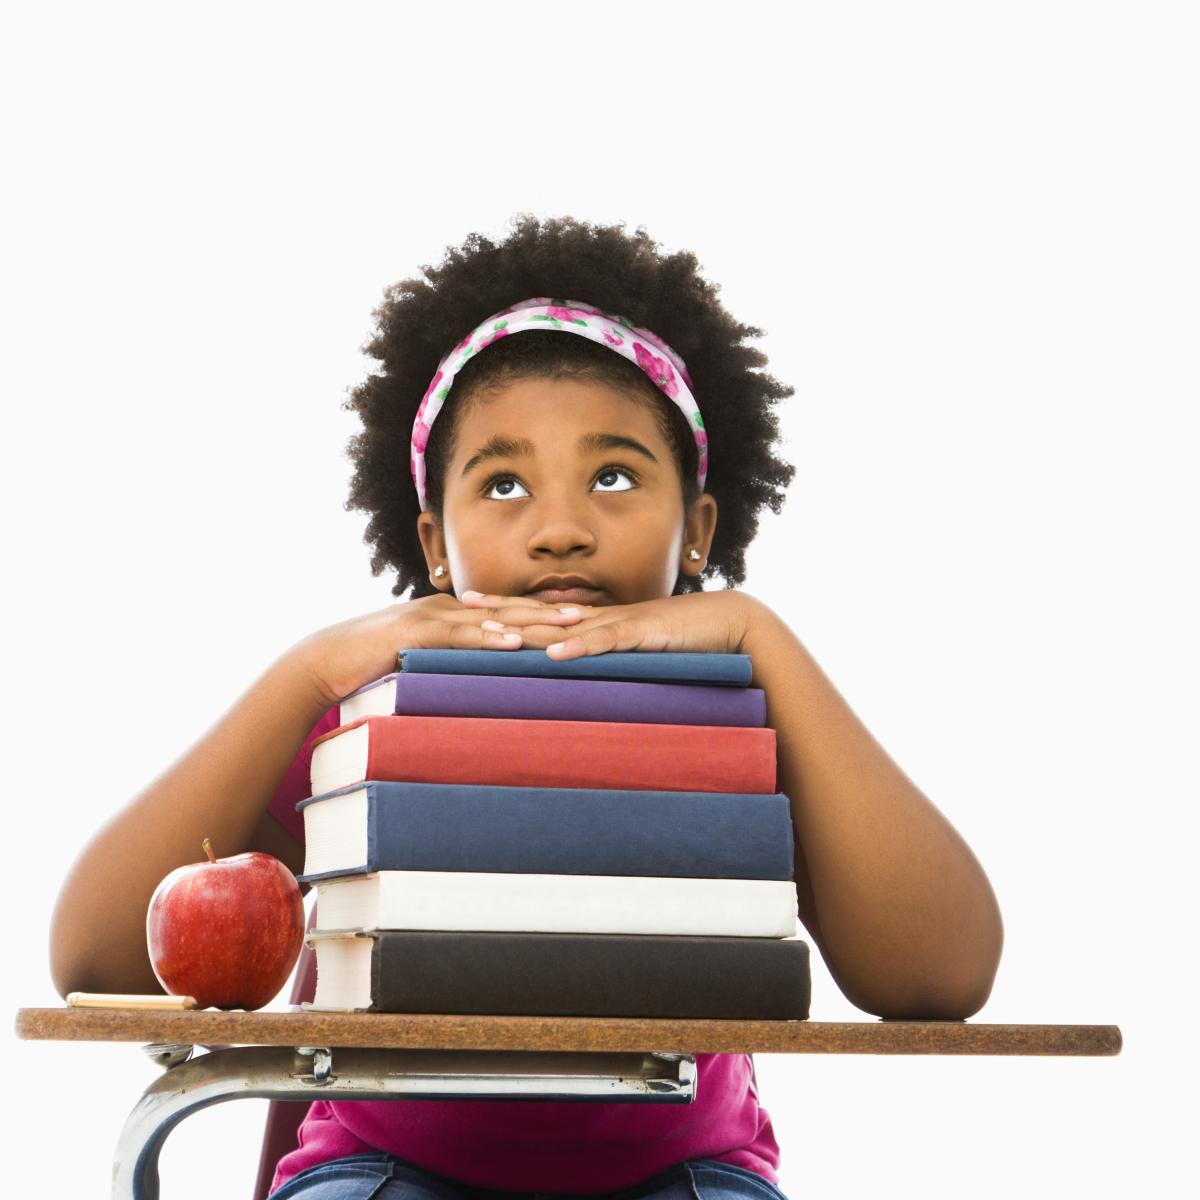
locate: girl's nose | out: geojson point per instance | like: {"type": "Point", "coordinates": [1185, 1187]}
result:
{"type": "Point", "coordinates": [562, 532]}
{"type": "Point", "coordinates": [562, 538]}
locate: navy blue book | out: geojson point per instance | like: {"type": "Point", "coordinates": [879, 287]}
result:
{"type": "Point", "coordinates": [375, 826]}
{"type": "Point", "coordinates": [729, 670]}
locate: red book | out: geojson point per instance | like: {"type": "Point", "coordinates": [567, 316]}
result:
{"type": "Point", "coordinates": [567, 754]}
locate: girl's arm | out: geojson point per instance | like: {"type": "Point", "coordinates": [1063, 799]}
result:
{"type": "Point", "coordinates": [219, 789]}
{"type": "Point", "coordinates": [222, 786]}
{"type": "Point", "coordinates": [900, 908]}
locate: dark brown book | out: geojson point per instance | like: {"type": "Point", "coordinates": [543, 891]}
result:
{"type": "Point", "coordinates": [560, 974]}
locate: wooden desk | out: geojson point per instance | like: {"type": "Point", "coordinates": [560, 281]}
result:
{"type": "Point", "coordinates": [376, 1056]}
{"type": "Point", "coordinates": [402, 1031]}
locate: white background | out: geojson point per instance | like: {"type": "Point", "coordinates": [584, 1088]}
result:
{"type": "Point", "coordinates": [970, 234]}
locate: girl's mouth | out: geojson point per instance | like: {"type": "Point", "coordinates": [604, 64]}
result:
{"type": "Point", "coordinates": [574, 595]}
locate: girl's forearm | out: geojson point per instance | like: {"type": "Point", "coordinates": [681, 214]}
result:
{"type": "Point", "coordinates": [222, 786]}
{"type": "Point", "coordinates": [219, 789]}
{"type": "Point", "coordinates": [900, 908]}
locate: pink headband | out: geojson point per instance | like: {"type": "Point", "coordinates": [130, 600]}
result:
{"type": "Point", "coordinates": [665, 368]}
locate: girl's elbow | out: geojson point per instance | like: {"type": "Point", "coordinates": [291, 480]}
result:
{"type": "Point", "coordinates": [948, 991]}
{"type": "Point", "coordinates": [962, 982]}
{"type": "Point", "coordinates": [928, 1002]}
{"type": "Point", "coordinates": [67, 974]}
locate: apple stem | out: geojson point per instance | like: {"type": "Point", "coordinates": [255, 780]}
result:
{"type": "Point", "coordinates": [206, 845]}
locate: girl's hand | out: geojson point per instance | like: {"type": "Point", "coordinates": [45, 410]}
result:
{"type": "Point", "coordinates": [712, 622]}
{"type": "Point", "coordinates": [345, 657]}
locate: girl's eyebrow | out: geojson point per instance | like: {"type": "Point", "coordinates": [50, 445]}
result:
{"type": "Point", "coordinates": [499, 446]}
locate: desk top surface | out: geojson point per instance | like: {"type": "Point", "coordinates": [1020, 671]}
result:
{"type": "Point", "coordinates": [433, 1031]}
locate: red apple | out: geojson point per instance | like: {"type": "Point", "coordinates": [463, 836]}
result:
{"type": "Point", "coordinates": [227, 931]}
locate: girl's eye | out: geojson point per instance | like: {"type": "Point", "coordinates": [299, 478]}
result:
{"type": "Point", "coordinates": [612, 475]}
{"type": "Point", "coordinates": [505, 487]}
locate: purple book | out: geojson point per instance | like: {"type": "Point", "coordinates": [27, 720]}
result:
{"type": "Point", "coordinates": [533, 699]}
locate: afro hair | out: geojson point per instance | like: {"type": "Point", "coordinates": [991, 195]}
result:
{"type": "Point", "coordinates": [626, 274]}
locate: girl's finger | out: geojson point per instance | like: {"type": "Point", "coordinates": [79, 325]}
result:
{"type": "Point", "coordinates": [513, 610]}
{"type": "Point", "coordinates": [496, 638]}
{"type": "Point", "coordinates": [615, 635]}
{"type": "Point", "coordinates": [571, 648]}
{"type": "Point", "coordinates": [493, 600]}
{"type": "Point", "coordinates": [435, 633]}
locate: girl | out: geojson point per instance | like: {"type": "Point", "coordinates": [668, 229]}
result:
{"type": "Point", "coordinates": [556, 492]}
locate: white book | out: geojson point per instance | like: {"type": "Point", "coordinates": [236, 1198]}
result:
{"type": "Point", "coordinates": [377, 699]}
{"type": "Point", "coordinates": [465, 900]}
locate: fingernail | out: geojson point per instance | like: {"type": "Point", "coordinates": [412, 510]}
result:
{"type": "Point", "coordinates": [498, 626]}
{"type": "Point", "coordinates": [472, 595]}
{"type": "Point", "coordinates": [511, 637]}
{"type": "Point", "coordinates": [569, 612]}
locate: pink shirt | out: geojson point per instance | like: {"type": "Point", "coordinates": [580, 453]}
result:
{"type": "Point", "coordinates": [535, 1146]}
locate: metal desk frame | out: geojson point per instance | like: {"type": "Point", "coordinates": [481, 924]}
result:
{"type": "Point", "coordinates": [359, 1056]}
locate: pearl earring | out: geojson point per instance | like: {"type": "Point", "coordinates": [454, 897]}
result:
{"type": "Point", "coordinates": [439, 570]}
{"type": "Point", "coordinates": [694, 554]}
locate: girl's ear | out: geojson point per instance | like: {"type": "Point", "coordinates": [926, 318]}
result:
{"type": "Point", "coordinates": [434, 546]}
{"type": "Point", "coordinates": [699, 527]}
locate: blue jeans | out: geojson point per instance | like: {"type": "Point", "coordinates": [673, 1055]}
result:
{"type": "Point", "coordinates": [382, 1177]}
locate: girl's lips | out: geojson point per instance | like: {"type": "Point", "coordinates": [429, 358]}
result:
{"type": "Point", "coordinates": [575, 595]}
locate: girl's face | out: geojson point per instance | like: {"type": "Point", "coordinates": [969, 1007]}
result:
{"type": "Point", "coordinates": [564, 484]}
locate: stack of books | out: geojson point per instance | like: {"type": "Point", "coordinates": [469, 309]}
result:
{"type": "Point", "coordinates": [497, 832]}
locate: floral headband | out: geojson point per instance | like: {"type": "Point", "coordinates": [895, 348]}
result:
{"type": "Point", "coordinates": [643, 348]}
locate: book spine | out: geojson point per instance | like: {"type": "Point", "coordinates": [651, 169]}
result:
{"type": "Point", "coordinates": [609, 976]}
{"type": "Point", "coordinates": [578, 831]}
{"type": "Point", "coordinates": [572, 754]}
{"type": "Point", "coordinates": [541, 699]}
{"type": "Point", "coordinates": [727, 670]}
{"type": "Point", "coordinates": [458, 900]}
